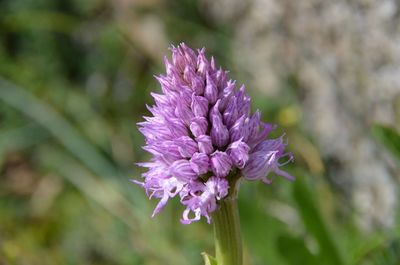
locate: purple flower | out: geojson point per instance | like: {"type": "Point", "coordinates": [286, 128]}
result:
{"type": "Point", "coordinates": [200, 131]}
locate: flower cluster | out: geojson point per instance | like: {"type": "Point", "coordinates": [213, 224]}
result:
{"type": "Point", "coordinates": [200, 131]}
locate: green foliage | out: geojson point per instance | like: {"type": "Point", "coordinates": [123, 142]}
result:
{"type": "Point", "coordinates": [388, 137]}
{"type": "Point", "coordinates": [299, 254]}
{"type": "Point", "coordinates": [315, 225]}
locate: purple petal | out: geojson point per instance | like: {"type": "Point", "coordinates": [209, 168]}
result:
{"type": "Point", "coordinates": [218, 186]}
{"type": "Point", "coordinates": [186, 146]}
{"type": "Point", "coordinates": [161, 100]}
{"type": "Point", "coordinates": [176, 127]}
{"type": "Point", "coordinates": [226, 94]}
{"type": "Point", "coordinates": [184, 113]}
{"type": "Point", "coordinates": [205, 144]}
{"type": "Point", "coordinates": [199, 106]}
{"type": "Point", "coordinates": [189, 73]}
{"type": "Point", "coordinates": [221, 78]}
{"type": "Point", "coordinates": [211, 90]}
{"type": "Point", "coordinates": [182, 170]}
{"type": "Point", "coordinates": [219, 132]}
{"type": "Point", "coordinates": [239, 153]}
{"type": "Point", "coordinates": [243, 102]}
{"type": "Point", "coordinates": [237, 131]}
{"type": "Point", "coordinates": [200, 163]}
{"type": "Point", "coordinates": [265, 159]}
{"type": "Point", "coordinates": [254, 125]}
{"type": "Point", "coordinates": [231, 112]}
{"type": "Point", "coordinates": [221, 163]}
{"type": "Point", "coordinates": [197, 85]}
{"type": "Point", "coordinates": [198, 126]}
{"type": "Point", "coordinates": [202, 63]}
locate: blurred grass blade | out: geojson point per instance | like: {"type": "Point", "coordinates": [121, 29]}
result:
{"type": "Point", "coordinates": [57, 126]}
{"type": "Point", "coordinates": [102, 193]}
{"type": "Point", "coordinates": [385, 254]}
{"type": "Point", "coordinates": [315, 225]}
{"type": "Point", "coordinates": [22, 137]}
{"type": "Point", "coordinates": [299, 254]}
{"type": "Point", "coordinates": [25, 20]}
{"type": "Point", "coordinates": [389, 137]}
{"type": "Point", "coordinates": [64, 132]}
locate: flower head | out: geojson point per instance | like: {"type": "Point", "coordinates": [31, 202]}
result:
{"type": "Point", "coordinates": [201, 131]}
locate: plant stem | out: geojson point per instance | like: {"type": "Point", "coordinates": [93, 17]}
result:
{"type": "Point", "coordinates": [228, 241]}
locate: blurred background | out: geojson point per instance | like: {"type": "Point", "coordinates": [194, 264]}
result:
{"type": "Point", "coordinates": [74, 80]}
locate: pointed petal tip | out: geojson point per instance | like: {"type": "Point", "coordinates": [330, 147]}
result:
{"type": "Point", "coordinates": [134, 181]}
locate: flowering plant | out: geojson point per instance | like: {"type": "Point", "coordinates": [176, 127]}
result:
{"type": "Point", "coordinates": [203, 139]}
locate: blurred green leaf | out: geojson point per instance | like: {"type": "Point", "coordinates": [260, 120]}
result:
{"type": "Point", "coordinates": [389, 137]}
{"type": "Point", "coordinates": [259, 228]}
{"type": "Point", "coordinates": [299, 254]}
{"type": "Point", "coordinates": [57, 126]}
{"type": "Point", "coordinates": [39, 20]}
{"type": "Point", "coordinates": [315, 225]}
{"type": "Point", "coordinates": [22, 137]}
{"type": "Point", "coordinates": [385, 254]}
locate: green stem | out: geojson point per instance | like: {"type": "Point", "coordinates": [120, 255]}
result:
{"type": "Point", "coordinates": [228, 241]}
